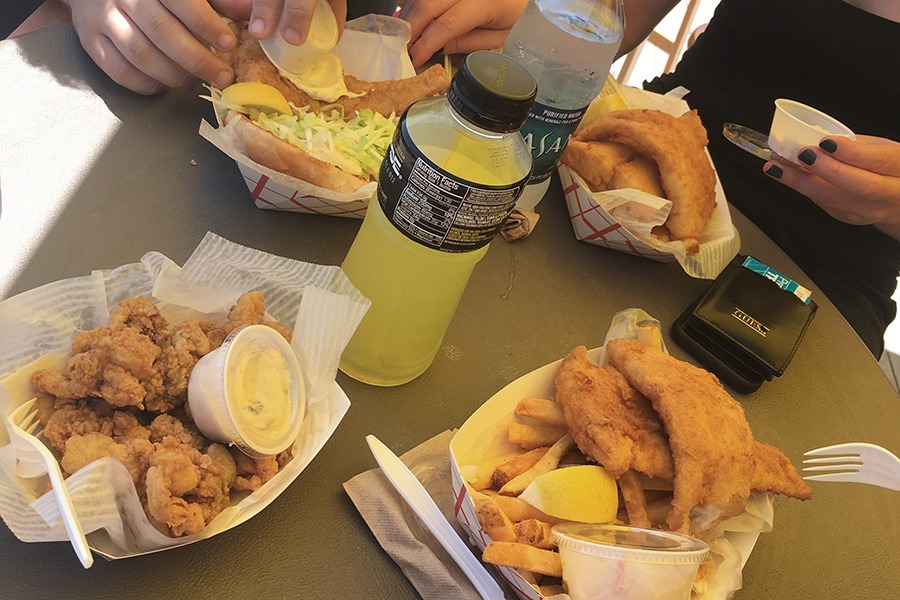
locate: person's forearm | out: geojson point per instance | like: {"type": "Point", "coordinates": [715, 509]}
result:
{"type": "Point", "coordinates": [51, 12]}
{"type": "Point", "coordinates": [641, 16]}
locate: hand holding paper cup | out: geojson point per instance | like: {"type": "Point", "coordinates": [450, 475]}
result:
{"type": "Point", "coordinates": [796, 125]}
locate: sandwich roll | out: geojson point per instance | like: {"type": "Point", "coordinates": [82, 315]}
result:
{"type": "Point", "coordinates": [275, 153]}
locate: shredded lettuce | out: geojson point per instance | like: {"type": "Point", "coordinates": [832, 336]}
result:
{"type": "Point", "coordinates": [357, 145]}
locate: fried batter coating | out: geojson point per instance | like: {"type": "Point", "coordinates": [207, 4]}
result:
{"type": "Point", "coordinates": [185, 489]}
{"type": "Point", "coordinates": [675, 145]}
{"type": "Point", "coordinates": [111, 365]}
{"type": "Point", "coordinates": [76, 419]}
{"type": "Point", "coordinates": [709, 435]}
{"type": "Point", "coordinates": [596, 161]}
{"type": "Point", "coordinates": [773, 472]}
{"type": "Point", "coordinates": [138, 313]}
{"type": "Point", "coordinates": [609, 420]}
{"type": "Point", "coordinates": [639, 174]}
{"type": "Point", "coordinates": [166, 425]}
{"type": "Point", "coordinates": [252, 473]}
{"type": "Point", "coordinates": [386, 97]}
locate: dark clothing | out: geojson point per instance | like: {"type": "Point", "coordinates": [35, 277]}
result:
{"type": "Point", "coordinates": [830, 55]}
{"type": "Point", "coordinates": [13, 12]}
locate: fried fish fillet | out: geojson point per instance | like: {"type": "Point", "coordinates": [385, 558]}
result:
{"type": "Point", "coordinates": [639, 174]}
{"type": "Point", "coordinates": [386, 97]}
{"type": "Point", "coordinates": [712, 446]}
{"type": "Point", "coordinates": [596, 162]}
{"type": "Point", "coordinates": [676, 145]}
{"type": "Point", "coordinates": [610, 422]}
{"type": "Point", "coordinates": [773, 472]}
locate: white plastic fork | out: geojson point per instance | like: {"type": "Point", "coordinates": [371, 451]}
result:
{"type": "Point", "coordinates": [854, 462]}
{"type": "Point", "coordinates": [34, 459]}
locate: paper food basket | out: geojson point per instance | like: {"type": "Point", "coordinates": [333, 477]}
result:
{"type": "Point", "coordinates": [607, 219]}
{"type": "Point", "coordinates": [318, 303]}
{"type": "Point", "coordinates": [484, 436]}
{"type": "Point", "coordinates": [372, 48]}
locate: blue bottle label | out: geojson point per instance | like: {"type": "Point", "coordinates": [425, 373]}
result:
{"type": "Point", "coordinates": [547, 133]}
{"type": "Point", "coordinates": [435, 208]}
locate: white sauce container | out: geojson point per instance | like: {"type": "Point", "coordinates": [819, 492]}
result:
{"type": "Point", "coordinates": [262, 423]}
{"type": "Point", "coordinates": [321, 39]}
{"type": "Point", "coordinates": [796, 125]}
{"type": "Point", "coordinates": [618, 562]}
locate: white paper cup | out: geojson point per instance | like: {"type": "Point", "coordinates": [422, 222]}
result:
{"type": "Point", "coordinates": [228, 406]}
{"type": "Point", "coordinates": [322, 38]}
{"type": "Point", "coordinates": [796, 125]}
{"type": "Point", "coordinates": [618, 562]}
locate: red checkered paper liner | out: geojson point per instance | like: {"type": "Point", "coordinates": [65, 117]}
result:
{"type": "Point", "coordinates": [269, 194]}
{"type": "Point", "coordinates": [372, 48]}
{"type": "Point", "coordinates": [594, 225]}
{"type": "Point", "coordinates": [485, 436]}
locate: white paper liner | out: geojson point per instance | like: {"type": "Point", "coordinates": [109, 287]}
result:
{"type": "Point", "coordinates": [372, 48]}
{"type": "Point", "coordinates": [622, 219]}
{"type": "Point", "coordinates": [484, 435]}
{"type": "Point", "coordinates": [318, 302]}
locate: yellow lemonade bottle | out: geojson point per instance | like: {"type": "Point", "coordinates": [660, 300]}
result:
{"type": "Point", "coordinates": [450, 178]}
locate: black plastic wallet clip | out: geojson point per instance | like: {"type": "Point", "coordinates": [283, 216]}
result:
{"type": "Point", "coordinates": [747, 326]}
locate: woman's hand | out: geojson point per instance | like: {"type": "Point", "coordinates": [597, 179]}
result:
{"type": "Point", "coordinates": [458, 26]}
{"type": "Point", "coordinates": [854, 181]}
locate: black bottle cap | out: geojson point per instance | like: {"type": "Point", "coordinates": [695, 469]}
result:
{"type": "Point", "coordinates": [492, 91]}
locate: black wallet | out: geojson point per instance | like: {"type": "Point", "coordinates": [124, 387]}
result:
{"type": "Point", "coordinates": [747, 326]}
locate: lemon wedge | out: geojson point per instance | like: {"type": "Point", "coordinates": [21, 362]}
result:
{"type": "Point", "coordinates": [252, 94]}
{"type": "Point", "coordinates": [583, 493]}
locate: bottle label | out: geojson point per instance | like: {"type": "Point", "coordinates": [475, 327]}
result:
{"type": "Point", "coordinates": [435, 208]}
{"type": "Point", "coordinates": [547, 133]}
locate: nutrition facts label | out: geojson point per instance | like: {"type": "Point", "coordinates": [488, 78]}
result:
{"type": "Point", "coordinates": [437, 209]}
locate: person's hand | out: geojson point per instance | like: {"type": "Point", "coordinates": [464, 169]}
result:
{"type": "Point", "coordinates": [854, 181]}
{"type": "Point", "coordinates": [291, 17]}
{"type": "Point", "coordinates": [150, 45]}
{"type": "Point", "coordinates": [458, 26]}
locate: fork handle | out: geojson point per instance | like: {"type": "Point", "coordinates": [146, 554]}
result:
{"type": "Point", "coordinates": [70, 519]}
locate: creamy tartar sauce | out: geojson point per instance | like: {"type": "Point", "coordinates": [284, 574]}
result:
{"type": "Point", "coordinates": [261, 392]}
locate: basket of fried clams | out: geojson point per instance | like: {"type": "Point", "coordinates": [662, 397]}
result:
{"type": "Point", "coordinates": [122, 395]}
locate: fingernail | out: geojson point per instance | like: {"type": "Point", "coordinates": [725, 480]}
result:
{"type": "Point", "coordinates": [224, 42]}
{"type": "Point", "coordinates": [257, 27]}
{"type": "Point", "coordinates": [292, 36]}
{"type": "Point", "coordinates": [223, 79]}
{"type": "Point", "coordinates": [774, 171]}
{"type": "Point", "coordinates": [828, 145]}
{"type": "Point", "coordinates": [807, 157]}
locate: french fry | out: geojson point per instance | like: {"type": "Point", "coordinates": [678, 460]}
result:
{"type": "Point", "coordinates": [519, 510]}
{"type": "Point", "coordinates": [541, 409]}
{"type": "Point", "coordinates": [534, 436]}
{"type": "Point", "coordinates": [480, 477]}
{"type": "Point", "coordinates": [494, 521]}
{"type": "Point", "coordinates": [516, 465]}
{"type": "Point", "coordinates": [635, 501]}
{"type": "Point", "coordinates": [548, 462]}
{"type": "Point", "coordinates": [534, 533]}
{"type": "Point", "coordinates": [522, 556]}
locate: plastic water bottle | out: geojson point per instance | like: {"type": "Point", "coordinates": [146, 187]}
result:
{"type": "Point", "coordinates": [452, 174]}
{"type": "Point", "coordinates": [568, 46]}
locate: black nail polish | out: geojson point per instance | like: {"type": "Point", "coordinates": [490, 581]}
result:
{"type": "Point", "coordinates": [807, 157]}
{"type": "Point", "coordinates": [828, 145]}
{"type": "Point", "coordinates": [774, 171]}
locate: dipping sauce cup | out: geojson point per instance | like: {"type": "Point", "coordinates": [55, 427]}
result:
{"type": "Point", "coordinates": [796, 125]}
{"type": "Point", "coordinates": [618, 562]}
{"type": "Point", "coordinates": [321, 39]}
{"type": "Point", "coordinates": [249, 392]}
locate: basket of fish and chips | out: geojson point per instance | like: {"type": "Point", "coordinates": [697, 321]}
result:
{"type": "Point", "coordinates": [619, 434]}
{"type": "Point", "coordinates": [637, 179]}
